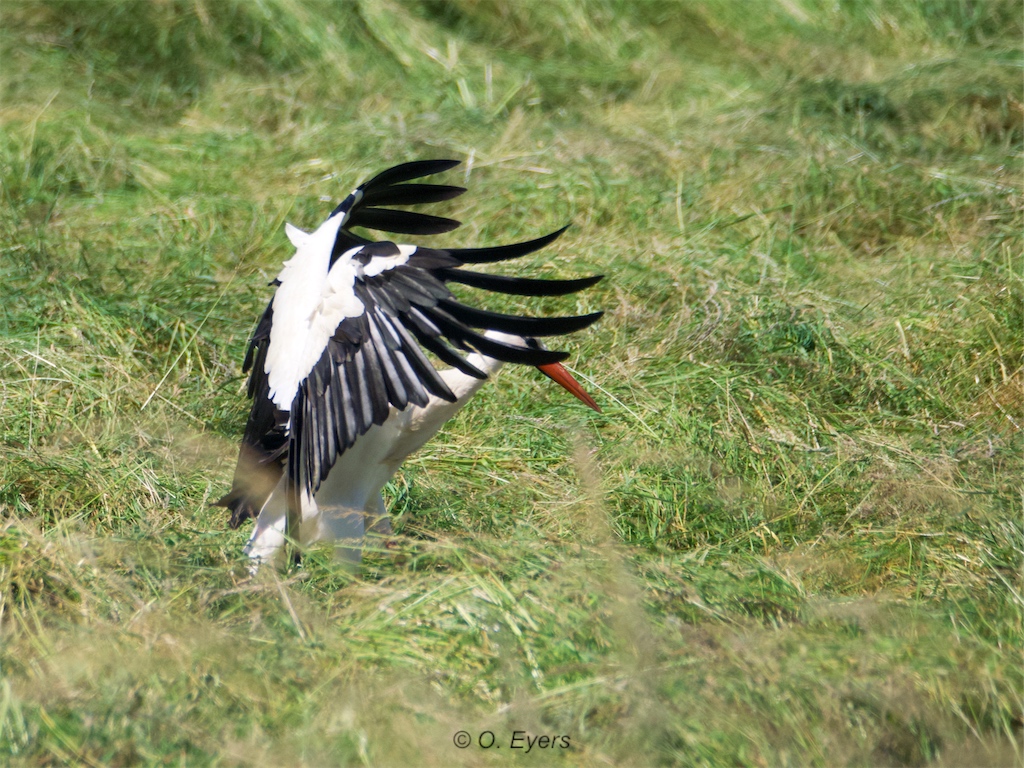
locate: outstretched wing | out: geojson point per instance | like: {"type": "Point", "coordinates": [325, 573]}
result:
{"type": "Point", "coordinates": [374, 359]}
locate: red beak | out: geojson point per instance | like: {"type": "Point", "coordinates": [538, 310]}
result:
{"type": "Point", "coordinates": [558, 374]}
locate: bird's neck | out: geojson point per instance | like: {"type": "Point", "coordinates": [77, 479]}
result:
{"type": "Point", "coordinates": [488, 364]}
{"type": "Point", "coordinates": [423, 422]}
{"type": "Point", "coordinates": [464, 386]}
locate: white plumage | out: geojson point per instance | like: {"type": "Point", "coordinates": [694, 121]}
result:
{"type": "Point", "coordinates": [342, 393]}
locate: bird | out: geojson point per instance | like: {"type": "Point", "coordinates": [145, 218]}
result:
{"type": "Point", "coordinates": [342, 390]}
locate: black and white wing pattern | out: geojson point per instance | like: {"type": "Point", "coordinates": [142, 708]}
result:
{"type": "Point", "coordinates": [342, 340]}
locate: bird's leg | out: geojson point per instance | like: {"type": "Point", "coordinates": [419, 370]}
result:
{"type": "Point", "coordinates": [266, 544]}
{"type": "Point", "coordinates": [344, 526]}
{"type": "Point", "coordinates": [377, 520]}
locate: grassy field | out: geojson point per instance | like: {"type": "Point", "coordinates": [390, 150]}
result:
{"type": "Point", "coordinates": [794, 537]}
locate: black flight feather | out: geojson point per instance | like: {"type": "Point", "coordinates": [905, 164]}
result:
{"type": "Point", "coordinates": [504, 252]}
{"type": "Point", "coordinates": [409, 171]}
{"type": "Point", "coordinates": [401, 222]}
{"type": "Point", "coordinates": [411, 194]}
{"type": "Point", "coordinates": [518, 286]}
{"type": "Point", "coordinates": [516, 324]}
{"type": "Point", "coordinates": [446, 354]}
{"type": "Point", "coordinates": [507, 353]}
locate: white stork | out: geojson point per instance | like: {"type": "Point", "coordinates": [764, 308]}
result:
{"type": "Point", "coordinates": [342, 393]}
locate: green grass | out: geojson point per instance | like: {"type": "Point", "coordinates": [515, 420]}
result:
{"type": "Point", "coordinates": [794, 536]}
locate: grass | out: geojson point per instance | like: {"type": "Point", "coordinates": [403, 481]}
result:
{"type": "Point", "coordinates": [793, 537]}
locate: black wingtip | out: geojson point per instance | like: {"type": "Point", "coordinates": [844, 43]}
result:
{"type": "Point", "coordinates": [410, 194]}
{"type": "Point", "coordinates": [505, 252]}
{"type": "Point", "coordinates": [518, 286]}
{"type": "Point", "coordinates": [440, 165]}
{"type": "Point", "coordinates": [402, 222]}
{"type": "Point", "coordinates": [408, 171]}
{"type": "Point", "coordinates": [517, 325]}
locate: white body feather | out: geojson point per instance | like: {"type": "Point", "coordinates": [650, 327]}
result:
{"type": "Point", "coordinates": [312, 299]}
